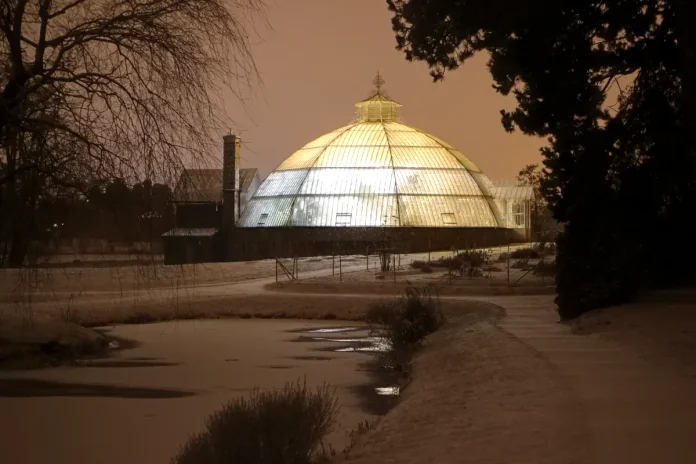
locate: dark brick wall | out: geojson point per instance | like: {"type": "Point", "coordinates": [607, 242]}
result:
{"type": "Point", "coordinates": [199, 215]}
{"type": "Point", "coordinates": [246, 244]}
{"type": "Point", "coordinates": [187, 250]}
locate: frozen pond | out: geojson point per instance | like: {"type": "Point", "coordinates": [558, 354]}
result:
{"type": "Point", "coordinates": [140, 404]}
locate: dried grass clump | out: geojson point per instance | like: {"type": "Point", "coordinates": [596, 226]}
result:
{"type": "Point", "coordinates": [284, 426]}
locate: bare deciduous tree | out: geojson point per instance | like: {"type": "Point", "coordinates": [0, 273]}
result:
{"type": "Point", "coordinates": [126, 88]}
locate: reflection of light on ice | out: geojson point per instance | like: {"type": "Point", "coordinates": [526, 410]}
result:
{"type": "Point", "coordinates": [341, 340]}
{"type": "Point", "coordinates": [387, 391]}
{"type": "Point", "coordinates": [380, 344]}
{"type": "Point", "coordinates": [377, 344]}
{"type": "Point", "coordinates": [337, 330]}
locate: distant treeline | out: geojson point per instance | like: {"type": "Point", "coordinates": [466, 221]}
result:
{"type": "Point", "coordinates": [112, 211]}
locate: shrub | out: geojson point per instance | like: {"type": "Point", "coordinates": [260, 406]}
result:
{"type": "Point", "coordinates": [272, 427]}
{"type": "Point", "coordinates": [525, 253]}
{"type": "Point", "coordinates": [424, 266]}
{"type": "Point", "coordinates": [520, 264]}
{"type": "Point", "coordinates": [548, 248]}
{"type": "Point", "coordinates": [450, 263]}
{"type": "Point", "coordinates": [474, 272]}
{"type": "Point", "coordinates": [545, 268]}
{"type": "Point", "coordinates": [475, 258]}
{"type": "Point", "coordinates": [503, 257]}
{"type": "Point", "coordinates": [380, 313]}
{"type": "Point", "coordinates": [409, 320]}
{"type": "Point", "coordinates": [464, 261]}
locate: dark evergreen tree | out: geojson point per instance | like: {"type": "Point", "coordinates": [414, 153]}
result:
{"type": "Point", "coordinates": [610, 84]}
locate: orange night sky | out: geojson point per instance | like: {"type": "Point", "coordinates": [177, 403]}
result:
{"type": "Point", "coordinates": [320, 57]}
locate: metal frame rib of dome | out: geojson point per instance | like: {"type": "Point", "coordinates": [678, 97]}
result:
{"type": "Point", "coordinates": [376, 172]}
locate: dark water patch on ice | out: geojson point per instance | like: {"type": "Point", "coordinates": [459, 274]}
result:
{"type": "Point", "coordinates": [311, 358]}
{"type": "Point", "coordinates": [34, 388]}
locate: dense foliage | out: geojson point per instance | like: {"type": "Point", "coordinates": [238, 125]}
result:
{"type": "Point", "coordinates": [610, 84]}
{"type": "Point", "coordinates": [113, 212]}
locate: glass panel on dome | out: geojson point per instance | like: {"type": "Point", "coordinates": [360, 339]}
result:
{"type": "Point", "coordinates": [303, 158]}
{"type": "Point", "coordinates": [328, 210]}
{"type": "Point", "coordinates": [483, 182]}
{"type": "Point", "coordinates": [421, 157]}
{"type": "Point", "coordinates": [435, 182]}
{"type": "Point", "coordinates": [276, 211]}
{"type": "Point", "coordinates": [410, 139]}
{"type": "Point", "coordinates": [340, 181]}
{"type": "Point", "coordinates": [397, 126]}
{"type": "Point", "coordinates": [440, 141]}
{"type": "Point", "coordinates": [326, 139]}
{"type": "Point", "coordinates": [465, 161]}
{"type": "Point", "coordinates": [358, 157]}
{"type": "Point", "coordinates": [282, 183]}
{"type": "Point", "coordinates": [365, 134]}
{"type": "Point", "coordinates": [426, 211]}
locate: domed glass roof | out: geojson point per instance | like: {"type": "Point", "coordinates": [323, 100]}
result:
{"type": "Point", "coordinates": [376, 172]}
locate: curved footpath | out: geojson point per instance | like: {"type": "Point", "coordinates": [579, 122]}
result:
{"type": "Point", "coordinates": [635, 409]}
{"type": "Point", "coordinates": [566, 397]}
{"type": "Point", "coordinates": [524, 389]}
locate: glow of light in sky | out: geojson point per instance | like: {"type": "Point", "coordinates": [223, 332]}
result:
{"type": "Point", "coordinates": [321, 57]}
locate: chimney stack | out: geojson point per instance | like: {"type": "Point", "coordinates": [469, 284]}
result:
{"type": "Point", "coordinates": [230, 180]}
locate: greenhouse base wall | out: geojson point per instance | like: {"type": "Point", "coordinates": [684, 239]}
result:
{"type": "Point", "coordinates": [250, 244]}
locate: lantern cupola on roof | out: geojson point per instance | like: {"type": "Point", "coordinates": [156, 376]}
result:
{"type": "Point", "coordinates": [379, 107]}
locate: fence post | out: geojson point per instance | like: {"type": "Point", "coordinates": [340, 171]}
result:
{"type": "Point", "coordinates": [394, 266]}
{"type": "Point", "coordinates": [333, 264]}
{"type": "Point", "coordinates": [508, 264]}
{"type": "Point", "coordinates": [340, 267]}
{"type": "Point", "coordinates": [276, 266]}
{"type": "Point", "coordinates": [367, 258]}
{"type": "Point", "coordinates": [449, 268]}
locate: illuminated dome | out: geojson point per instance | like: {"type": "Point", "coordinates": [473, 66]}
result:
{"type": "Point", "coordinates": [376, 172]}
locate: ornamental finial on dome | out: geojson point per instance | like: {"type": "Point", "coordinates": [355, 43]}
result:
{"type": "Point", "coordinates": [378, 107]}
{"type": "Point", "coordinates": [378, 81]}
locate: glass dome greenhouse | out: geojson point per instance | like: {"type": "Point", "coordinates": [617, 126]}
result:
{"type": "Point", "coordinates": [375, 172]}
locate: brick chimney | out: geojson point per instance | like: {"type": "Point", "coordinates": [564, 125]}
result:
{"type": "Point", "coordinates": [230, 180]}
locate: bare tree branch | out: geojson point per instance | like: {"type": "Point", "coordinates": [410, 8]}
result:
{"type": "Point", "coordinates": [142, 77]}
